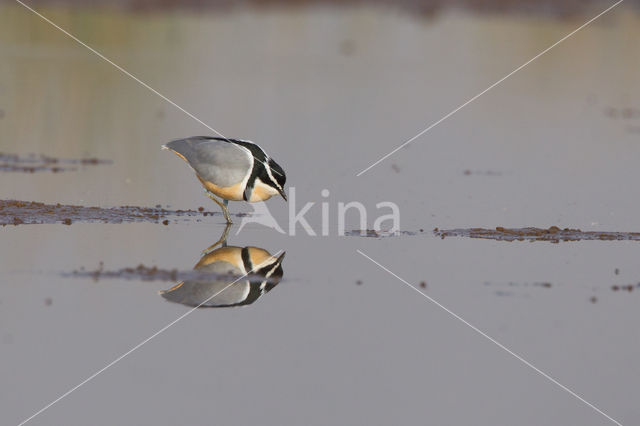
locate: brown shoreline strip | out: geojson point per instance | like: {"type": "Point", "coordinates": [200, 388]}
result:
{"type": "Point", "coordinates": [552, 234]}
{"type": "Point", "coordinates": [14, 212]}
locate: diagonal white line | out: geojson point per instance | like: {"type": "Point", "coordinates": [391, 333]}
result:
{"type": "Point", "coordinates": [115, 361]}
{"type": "Point", "coordinates": [128, 74]}
{"type": "Point", "coordinates": [489, 88]}
{"type": "Point", "coordinates": [500, 345]}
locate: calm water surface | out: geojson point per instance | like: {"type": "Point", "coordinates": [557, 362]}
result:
{"type": "Point", "coordinates": [339, 341]}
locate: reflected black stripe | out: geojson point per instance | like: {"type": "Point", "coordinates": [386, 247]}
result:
{"type": "Point", "coordinates": [246, 260]}
{"type": "Point", "coordinates": [254, 285]}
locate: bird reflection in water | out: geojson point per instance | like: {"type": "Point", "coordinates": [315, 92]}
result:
{"type": "Point", "coordinates": [220, 267]}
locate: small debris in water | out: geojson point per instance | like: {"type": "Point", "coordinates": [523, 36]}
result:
{"type": "Point", "coordinates": [593, 299]}
{"type": "Point", "coordinates": [347, 47]}
{"type": "Point", "coordinates": [363, 233]}
{"type": "Point", "coordinates": [518, 289]}
{"type": "Point", "coordinates": [468, 172]}
{"type": "Point", "coordinates": [543, 284]}
{"type": "Point", "coordinates": [628, 287]}
{"type": "Point", "coordinates": [48, 301]}
{"type": "Point", "coordinates": [372, 233]}
{"type": "Point", "coordinates": [626, 113]}
{"type": "Point", "coordinates": [423, 284]}
{"type": "Point", "coordinates": [359, 282]}
{"type": "Point", "coordinates": [616, 271]}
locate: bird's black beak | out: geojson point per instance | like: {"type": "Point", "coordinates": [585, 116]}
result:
{"type": "Point", "coordinates": [281, 191]}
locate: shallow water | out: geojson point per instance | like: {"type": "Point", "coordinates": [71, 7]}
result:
{"type": "Point", "coordinates": [327, 91]}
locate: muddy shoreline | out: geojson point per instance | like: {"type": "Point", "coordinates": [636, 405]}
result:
{"type": "Point", "coordinates": [16, 212]}
{"type": "Point", "coordinates": [154, 273]}
{"type": "Point", "coordinates": [552, 234]}
{"type": "Point", "coordinates": [33, 163]}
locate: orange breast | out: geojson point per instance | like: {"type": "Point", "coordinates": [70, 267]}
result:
{"type": "Point", "coordinates": [232, 193]}
{"type": "Point", "coordinates": [261, 192]}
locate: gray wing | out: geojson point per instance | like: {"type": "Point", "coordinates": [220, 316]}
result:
{"type": "Point", "coordinates": [214, 292]}
{"type": "Point", "coordinates": [219, 162]}
{"type": "Point", "coordinates": [194, 293]}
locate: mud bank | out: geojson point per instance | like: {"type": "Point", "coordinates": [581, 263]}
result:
{"type": "Point", "coordinates": [14, 212]}
{"type": "Point", "coordinates": [153, 273]}
{"type": "Point", "coordinates": [552, 234]}
{"type": "Point", "coordinates": [33, 163]}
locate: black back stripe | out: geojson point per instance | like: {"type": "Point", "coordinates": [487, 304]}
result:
{"type": "Point", "coordinates": [256, 151]}
{"type": "Point", "coordinates": [251, 182]}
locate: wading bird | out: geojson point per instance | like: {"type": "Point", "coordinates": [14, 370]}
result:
{"type": "Point", "coordinates": [232, 169]}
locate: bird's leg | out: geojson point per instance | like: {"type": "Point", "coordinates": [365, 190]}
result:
{"type": "Point", "coordinates": [226, 211]}
{"type": "Point", "coordinates": [222, 241]}
{"type": "Point", "coordinates": [223, 206]}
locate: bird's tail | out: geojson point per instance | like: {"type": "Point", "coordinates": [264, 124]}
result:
{"type": "Point", "coordinates": [182, 147]}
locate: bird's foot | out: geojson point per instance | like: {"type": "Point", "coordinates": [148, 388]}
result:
{"type": "Point", "coordinates": [223, 206]}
